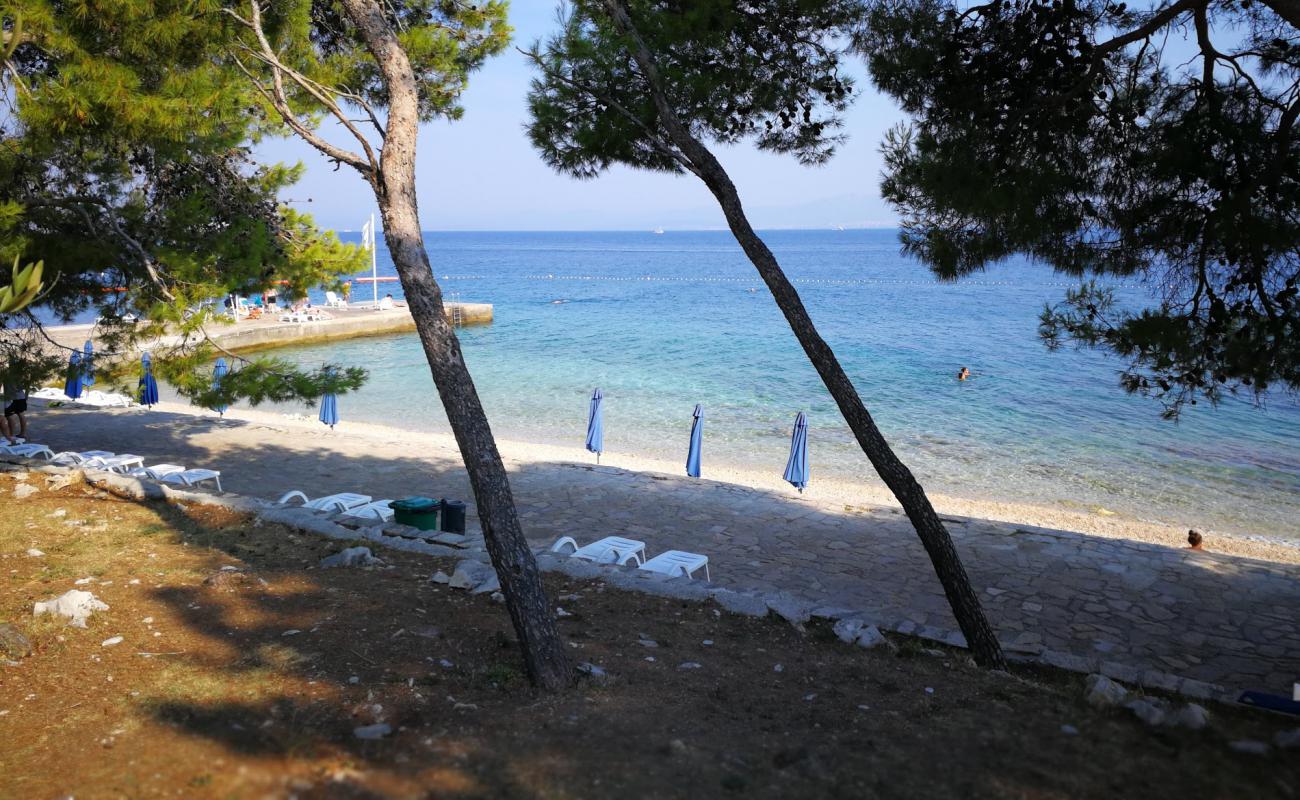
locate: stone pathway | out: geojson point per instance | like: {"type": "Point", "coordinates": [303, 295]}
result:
{"type": "Point", "coordinates": [1123, 607]}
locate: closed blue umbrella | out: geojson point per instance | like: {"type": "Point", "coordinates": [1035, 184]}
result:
{"type": "Point", "coordinates": [218, 372]}
{"type": "Point", "coordinates": [697, 433]}
{"type": "Point", "coordinates": [148, 386]}
{"type": "Point", "coordinates": [796, 469]}
{"type": "Point", "coordinates": [88, 365]}
{"type": "Point", "coordinates": [596, 425]}
{"type": "Point", "coordinates": [72, 386]}
{"type": "Point", "coordinates": [329, 410]}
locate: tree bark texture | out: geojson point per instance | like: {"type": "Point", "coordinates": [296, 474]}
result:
{"type": "Point", "coordinates": [938, 544]}
{"type": "Point", "coordinates": [545, 658]}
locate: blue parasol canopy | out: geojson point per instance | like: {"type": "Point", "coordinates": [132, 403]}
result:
{"type": "Point", "coordinates": [697, 434]}
{"type": "Point", "coordinates": [796, 469]}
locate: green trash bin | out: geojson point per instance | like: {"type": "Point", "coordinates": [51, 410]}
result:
{"type": "Point", "coordinates": [418, 512]}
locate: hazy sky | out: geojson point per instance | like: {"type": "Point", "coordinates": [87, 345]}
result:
{"type": "Point", "coordinates": [480, 173]}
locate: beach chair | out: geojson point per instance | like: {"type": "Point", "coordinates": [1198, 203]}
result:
{"type": "Point", "coordinates": [75, 459]}
{"type": "Point", "coordinates": [610, 550]}
{"type": "Point", "coordinates": [28, 450]}
{"type": "Point", "coordinates": [678, 562]}
{"type": "Point", "coordinates": [157, 472]}
{"type": "Point", "coordinates": [190, 477]}
{"type": "Point", "coordinates": [343, 501]}
{"type": "Point", "coordinates": [334, 301]}
{"type": "Point", "coordinates": [122, 463]}
{"type": "Point", "coordinates": [377, 509]}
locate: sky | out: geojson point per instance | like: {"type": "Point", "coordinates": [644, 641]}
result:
{"type": "Point", "coordinates": [480, 172]}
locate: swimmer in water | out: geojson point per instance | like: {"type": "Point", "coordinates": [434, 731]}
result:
{"type": "Point", "coordinates": [963, 374]}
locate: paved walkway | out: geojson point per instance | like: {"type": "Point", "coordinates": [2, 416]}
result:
{"type": "Point", "coordinates": [1124, 605]}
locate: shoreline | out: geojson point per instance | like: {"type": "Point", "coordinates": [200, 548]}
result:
{"type": "Point", "coordinates": [832, 494]}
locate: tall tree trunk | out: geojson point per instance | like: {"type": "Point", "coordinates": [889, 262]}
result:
{"type": "Point", "coordinates": [545, 658]}
{"type": "Point", "coordinates": [938, 544]}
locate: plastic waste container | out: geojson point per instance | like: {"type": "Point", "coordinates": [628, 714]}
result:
{"type": "Point", "coordinates": [418, 512]}
{"type": "Point", "coordinates": [453, 516]}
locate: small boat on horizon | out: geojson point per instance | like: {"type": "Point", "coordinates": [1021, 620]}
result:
{"type": "Point", "coordinates": [658, 230]}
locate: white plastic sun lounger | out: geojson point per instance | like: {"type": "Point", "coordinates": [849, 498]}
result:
{"type": "Point", "coordinates": [610, 550]}
{"type": "Point", "coordinates": [157, 471]}
{"type": "Point", "coordinates": [121, 463]}
{"type": "Point", "coordinates": [27, 450]}
{"type": "Point", "coordinates": [343, 501]}
{"type": "Point", "coordinates": [74, 458]}
{"type": "Point", "coordinates": [678, 562]}
{"type": "Point", "coordinates": [192, 476]}
{"type": "Point", "coordinates": [378, 509]}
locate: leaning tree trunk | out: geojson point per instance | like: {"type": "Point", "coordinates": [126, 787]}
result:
{"type": "Point", "coordinates": [545, 658]}
{"type": "Point", "coordinates": [943, 554]}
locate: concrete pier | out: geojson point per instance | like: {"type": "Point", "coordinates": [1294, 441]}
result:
{"type": "Point", "coordinates": [269, 332]}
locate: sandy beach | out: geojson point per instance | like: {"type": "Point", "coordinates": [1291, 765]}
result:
{"type": "Point", "coordinates": [223, 443]}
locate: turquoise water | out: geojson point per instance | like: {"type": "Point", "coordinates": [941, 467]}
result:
{"type": "Point", "coordinates": [662, 322]}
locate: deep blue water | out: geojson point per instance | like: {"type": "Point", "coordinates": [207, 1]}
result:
{"type": "Point", "coordinates": [661, 322]}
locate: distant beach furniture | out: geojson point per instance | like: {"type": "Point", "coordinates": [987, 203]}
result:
{"type": "Point", "coordinates": [28, 450]}
{"type": "Point", "coordinates": [596, 424]}
{"type": "Point", "coordinates": [334, 301]}
{"type": "Point", "coordinates": [191, 477]}
{"type": "Point", "coordinates": [157, 472]}
{"type": "Point", "coordinates": [697, 434]}
{"type": "Point", "coordinates": [377, 509]}
{"type": "Point", "coordinates": [678, 563]}
{"type": "Point", "coordinates": [610, 550]}
{"type": "Point", "coordinates": [343, 501]}
{"type": "Point", "coordinates": [796, 468]}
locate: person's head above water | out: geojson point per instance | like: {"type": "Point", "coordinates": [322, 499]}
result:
{"type": "Point", "coordinates": [963, 374]}
{"type": "Point", "coordinates": [1194, 539]}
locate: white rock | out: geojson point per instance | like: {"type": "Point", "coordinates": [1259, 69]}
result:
{"type": "Point", "coordinates": [1147, 710]}
{"type": "Point", "coordinates": [111, 641]}
{"type": "Point", "coordinates": [440, 577]}
{"type": "Point", "coordinates": [847, 630]}
{"type": "Point", "coordinates": [82, 581]}
{"type": "Point", "coordinates": [795, 612]}
{"type": "Point", "coordinates": [737, 603]}
{"type": "Point", "coordinates": [1102, 692]}
{"type": "Point", "coordinates": [74, 604]}
{"type": "Point", "coordinates": [291, 632]}
{"type": "Point", "coordinates": [34, 553]}
{"type": "Point", "coordinates": [24, 490]}
{"type": "Point", "coordinates": [870, 637]}
{"type": "Point", "coordinates": [351, 557]}
{"type": "Point", "coordinates": [560, 612]}
{"type": "Point", "coordinates": [1249, 747]}
{"type": "Point", "coordinates": [1190, 716]}
{"type": "Point", "coordinates": [59, 512]}
{"type": "Point", "coordinates": [778, 668]}
{"type": "Point", "coordinates": [690, 665]}
{"type": "Point", "coordinates": [1069, 730]}
{"type": "Point", "coordinates": [647, 642]}
{"type": "Point", "coordinates": [372, 732]}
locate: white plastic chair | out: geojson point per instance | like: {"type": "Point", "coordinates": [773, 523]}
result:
{"type": "Point", "coordinates": [377, 509]}
{"type": "Point", "coordinates": [343, 501]}
{"type": "Point", "coordinates": [678, 562]}
{"type": "Point", "coordinates": [334, 301]}
{"type": "Point", "coordinates": [71, 457]}
{"type": "Point", "coordinates": [610, 550]}
{"type": "Point", "coordinates": [191, 477]}
{"type": "Point", "coordinates": [157, 471]}
{"type": "Point", "coordinates": [121, 463]}
{"type": "Point", "coordinates": [27, 450]}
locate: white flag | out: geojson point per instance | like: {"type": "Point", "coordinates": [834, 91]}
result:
{"type": "Point", "coordinates": [368, 235]}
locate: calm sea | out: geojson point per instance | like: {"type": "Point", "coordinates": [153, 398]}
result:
{"type": "Point", "coordinates": [662, 322]}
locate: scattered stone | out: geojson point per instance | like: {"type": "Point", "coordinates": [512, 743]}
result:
{"type": "Point", "coordinates": [650, 658]}
{"type": "Point", "coordinates": [690, 665]}
{"type": "Point", "coordinates": [1288, 740]}
{"type": "Point", "coordinates": [354, 680]}
{"type": "Point", "coordinates": [225, 578]}
{"type": "Point", "coordinates": [847, 630]}
{"type": "Point", "coordinates": [74, 604]}
{"type": "Point", "coordinates": [647, 642]}
{"type": "Point", "coordinates": [110, 642]}
{"type": "Point", "coordinates": [1249, 747]}
{"type": "Point", "coordinates": [58, 512]}
{"type": "Point", "coordinates": [677, 747]}
{"type": "Point", "coordinates": [475, 576]}
{"type": "Point", "coordinates": [795, 612]}
{"type": "Point", "coordinates": [778, 668]}
{"type": "Point", "coordinates": [707, 642]}
{"type": "Point", "coordinates": [372, 732]}
{"type": "Point", "coordinates": [498, 597]}
{"type": "Point", "coordinates": [1102, 692]}
{"type": "Point", "coordinates": [13, 644]}
{"type": "Point", "coordinates": [445, 664]}
{"type": "Point", "coordinates": [56, 482]}
{"type": "Point", "coordinates": [871, 637]}
{"type": "Point", "coordinates": [569, 598]}
{"type": "Point", "coordinates": [351, 557]}
{"type": "Point", "coordinates": [440, 577]}
{"type": "Point", "coordinates": [1146, 709]}
{"type": "Point", "coordinates": [1069, 730]}
{"type": "Point", "coordinates": [560, 612]}
{"type": "Point", "coordinates": [34, 553]}
{"type": "Point", "coordinates": [24, 490]}
{"type": "Point", "coordinates": [82, 581]}
{"type": "Point", "coordinates": [1190, 716]}
{"type": "Point", "coordinates": [291, 632]}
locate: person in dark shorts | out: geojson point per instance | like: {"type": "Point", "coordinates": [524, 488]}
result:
{"type": "Point", "coordinates": [15, 417]}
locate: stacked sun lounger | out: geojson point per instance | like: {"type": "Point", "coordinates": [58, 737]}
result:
{"type": "Point", "coordinates": [620, 551]}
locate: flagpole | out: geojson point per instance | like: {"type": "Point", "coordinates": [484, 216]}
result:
{"type": "Point", "coordinates": [374, 262]}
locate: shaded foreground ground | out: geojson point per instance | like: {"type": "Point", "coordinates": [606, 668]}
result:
{"type": "Point", "coordinates": [248, 682]}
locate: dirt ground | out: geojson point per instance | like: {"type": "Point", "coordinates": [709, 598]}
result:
{"type": "Point", "coordinates": [249, 682]}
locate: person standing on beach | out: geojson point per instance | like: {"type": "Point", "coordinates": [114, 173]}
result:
{"type": "Point", "coordinates": [15, 399]}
